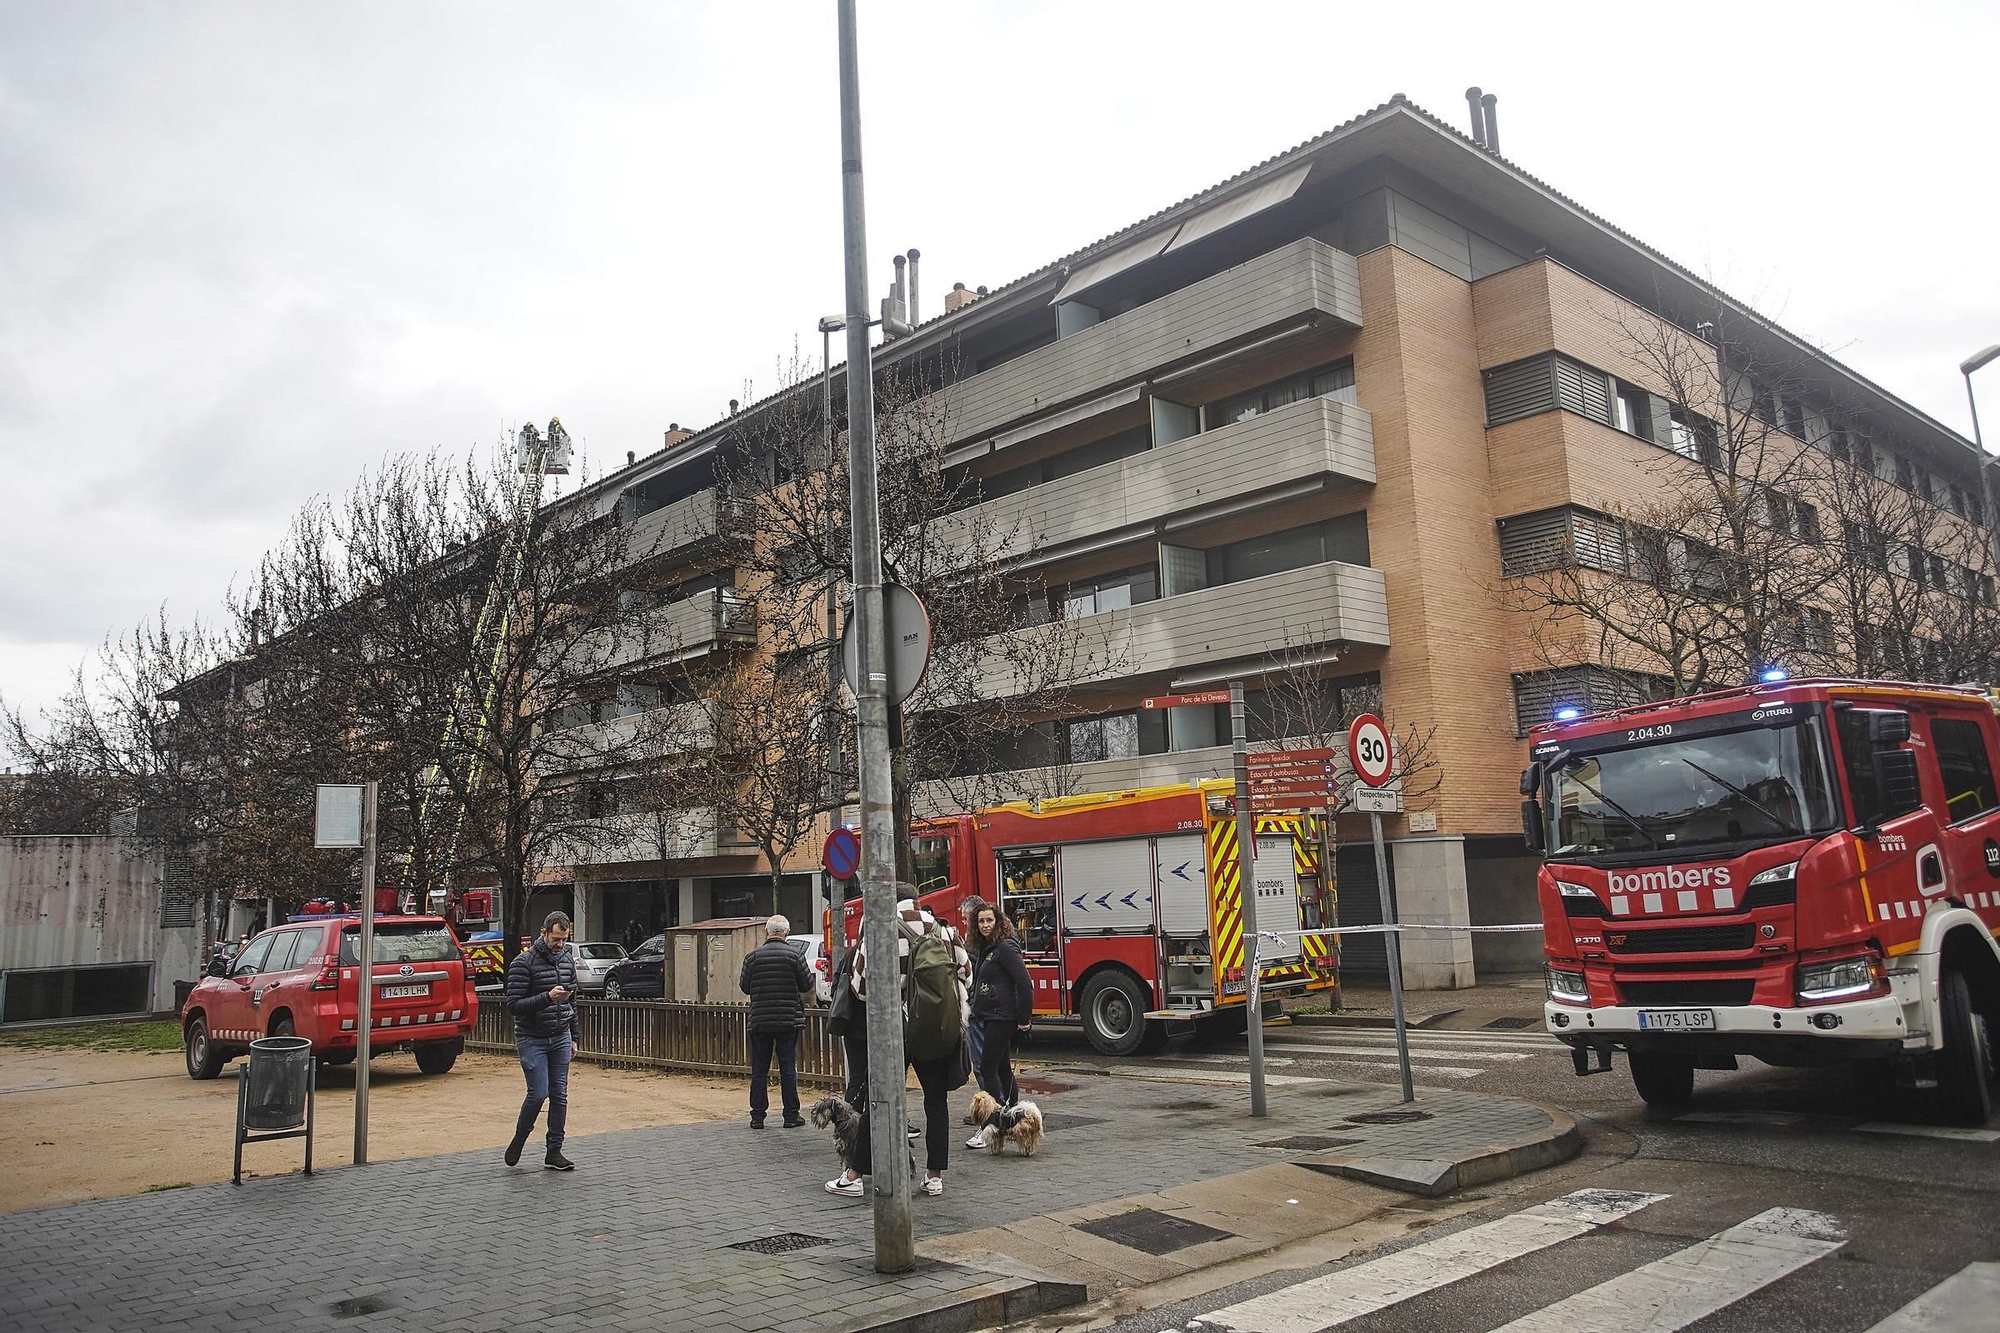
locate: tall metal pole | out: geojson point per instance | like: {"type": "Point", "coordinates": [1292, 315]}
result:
{"type": "Point", "coordinates": [895, 1238]}
{"type": "Point", "coordinates": [364, 1018]}
{"type": "Point", "coordinates": [1966, 368]}
{"type": "Point", "coordinates": [1393, 941]}
{"type": "Point", "coordinates": [1246, 879]}
{"type": "Point", "coordinates": [834, 792]}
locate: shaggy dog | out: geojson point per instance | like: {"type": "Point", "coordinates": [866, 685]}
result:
{"type": "Point", "coordinates": [845, 1121]}
{"type": "Point", "coordinates": [1000, 1125]}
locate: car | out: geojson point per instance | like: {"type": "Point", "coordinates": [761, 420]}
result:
{"type": "Point", "coordinates": [302, 979]}
{"type": "Point", "coordinates": [594, 962]}
{"type": "Point", "coordinates": [642, 974]}
{"type": "Point", "coordinates": [812, 948]}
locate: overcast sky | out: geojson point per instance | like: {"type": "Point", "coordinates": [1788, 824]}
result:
{"type": "Point", "coordinates": [248, 249]}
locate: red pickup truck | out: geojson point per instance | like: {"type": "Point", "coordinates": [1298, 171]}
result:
{"type": "Point", "coordinates": [303, 979]}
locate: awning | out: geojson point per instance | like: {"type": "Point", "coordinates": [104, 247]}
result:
{"type": "Point", "coordinates": [1111, 265]}
{"type": "Point", "coordinates": [1231, 211]}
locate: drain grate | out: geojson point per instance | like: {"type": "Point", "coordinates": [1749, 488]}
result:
{"type": "Point", "coordinates": [1152, 1232]}
{"type": "Point", "coordinates": [1068, 1122]}
{"type": "Point", "coordinates": [782, 1243]}
{"type": "Point", "coordinates": [352, 1307]}
{"type": "Point", "coordinates": [1388, 1117]}
{"type": "Point", "coordinates": [1309, 1143]}
{"type": "Point", "coordinates": [1516, 1021]}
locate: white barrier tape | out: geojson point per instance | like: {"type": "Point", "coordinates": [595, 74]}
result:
{"type": "Point", "coordinates": [1280, 936]}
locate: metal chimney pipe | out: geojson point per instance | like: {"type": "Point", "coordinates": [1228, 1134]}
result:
{"type": "Point", "coordinates": [914, 318]}
{"type": "Point", "coordinates": [1478, 119]}
{"type": "Point", "coordinates": [631, 457]}
{"type": "Point", "coordinates": [897, 291]}
{"type": "Point", "coordinates": [1492, 123]}
{"type": "Point", "coordinates": [732, 407]}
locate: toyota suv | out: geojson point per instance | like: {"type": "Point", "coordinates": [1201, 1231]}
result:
{"type": "Point", "coordinates": [303, 979]}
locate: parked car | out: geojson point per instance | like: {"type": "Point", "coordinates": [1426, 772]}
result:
{"type": "Point", "coordinates": [302, 979]}
{"type": "Point", "coordinates": [594, 962]}
{"type": "Point", "coordinates": [640, 975]}
{"type": "Point", "coordinates": [812, 948]}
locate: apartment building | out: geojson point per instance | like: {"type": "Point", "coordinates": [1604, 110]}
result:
{"type": "Point", "coordinates": [1319, 413]}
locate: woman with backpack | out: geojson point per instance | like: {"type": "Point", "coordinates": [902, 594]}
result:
{"type": "Point", "coordinates": [1003, 1003]}
{"type": "Point", "coordinates": [933, 975]}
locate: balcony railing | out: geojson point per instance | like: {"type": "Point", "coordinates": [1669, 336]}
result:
{"type": "Point", "coordinates": [1292, 449]}
{"type": "Point", "coordinates": [1249, 621]}
{"type": "Point", "coordinates": [672, 835]}
{"type": "Point", "coordinates": [681, 728]}
{"type": "Point", "coordinates": [679, 630]}
{"type": "Point", "coordinates": [686, 526]}
{"type": "Point", "coordinates": [1284, 286]}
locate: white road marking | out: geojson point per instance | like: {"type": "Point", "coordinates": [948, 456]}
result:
{"type": "Point", "coordinates": [1325, 1302]}
{"type": "Point", "coordinates": [1962, 1301]}
{"type": "Point", "coordinates": [1428, 1071]}
{"type": "Point", "coordinates": [1183, 1074]}
{"type": "Point", "coordinates": [1274, 1062]}
{"type": "Point", "coordinates": [1523, 1040]}
{"type": "Point", "coordinates": [1693, 1283]}
{"type": "Point", "coordinates": [1931, 1132]}
{"type": "Point", "coordinates": [1773, 1118]}
{"type": "Point", "coordinates": [1424, 1052]}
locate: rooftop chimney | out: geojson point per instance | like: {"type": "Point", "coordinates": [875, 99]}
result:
{"type": "Point", "coordinates": [1478, 116]}
{"type": "Point", "coordinates": [958, 298]}
{"type": "Point", "coordinates": [675, 434]}
{"type": "Point", "coordinates": [1490, 102]}
{"type": "Point", "coordinates": [631, 457]}
{"type": "Point", "coordinates": [732, 407]}
{"type": "Point", "coordinates": [914, 318]}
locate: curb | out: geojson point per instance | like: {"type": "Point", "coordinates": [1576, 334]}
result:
{"type": "Point", "coordinates": [1435, 1177]}
{"type": "Point", "coordinates": [986, 1306]}
{"type": "Point", "coordinates": [1369, 1020]}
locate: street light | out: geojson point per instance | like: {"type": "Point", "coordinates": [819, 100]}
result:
{"type": "Point", "coordinates": [828, 326]}
{"type": "Point", "coordinates": [1965, 368]}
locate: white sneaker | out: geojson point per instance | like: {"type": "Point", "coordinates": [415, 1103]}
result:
{"type": "Point", "coordinates": [933, 1185]}
{"type": "Point", "coordinates": [847, 1189]}
{"type": "Point", "coordinates": [976, 1141]}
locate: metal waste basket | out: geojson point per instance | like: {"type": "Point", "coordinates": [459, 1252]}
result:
{"type": "Point", "coordinates": [280, 1074]}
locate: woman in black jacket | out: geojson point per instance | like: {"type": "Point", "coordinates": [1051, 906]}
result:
{"type": "Point", "coordinates": [1003, 1001]}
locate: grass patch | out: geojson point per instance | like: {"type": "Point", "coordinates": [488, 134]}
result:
{"type": "Point", "coordinates": [1305, 1009]}
{"type": "Point", "coordinates": [161, 1189]}
{"type": "Point", "coordinates": [98, 1037]}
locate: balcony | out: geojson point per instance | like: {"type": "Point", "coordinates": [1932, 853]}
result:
{"type": "Point", "coordinates": [671, 835]}
{"type": "Point", "coordinates": [687, 527]}
{"type": "Point", "coordinates": [1296, 449]}
{"type": "Point", "coordinates": [1289, 285]}
{"type": "Point", "coordinates": [1243, 622]}
{"type": "Point", "coordinates": [678, 631]}
{"type": "Point", "coordinates": [682, 728]}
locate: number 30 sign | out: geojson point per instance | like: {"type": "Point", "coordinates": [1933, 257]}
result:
{"type": "Point", "coordinates": [1368, 750]}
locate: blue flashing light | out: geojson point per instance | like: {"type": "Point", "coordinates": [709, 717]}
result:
{"type": "Point", "coordinates": [1568, 714]}
{"type": "Point", "coordinates": [1772, 675]}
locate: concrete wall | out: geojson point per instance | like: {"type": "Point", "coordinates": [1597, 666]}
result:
{"type": "Point", "coordinates": [77, 901]}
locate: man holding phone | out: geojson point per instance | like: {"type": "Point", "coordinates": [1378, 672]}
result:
{"type": "Point", "coordinates": [541, 992]}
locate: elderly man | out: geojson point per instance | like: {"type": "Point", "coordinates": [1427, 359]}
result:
{"type": "Point", "coordinates": [776, 979]}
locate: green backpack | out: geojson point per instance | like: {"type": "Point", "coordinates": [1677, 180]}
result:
{"type": "Point", "coordinates": [933, 1024]}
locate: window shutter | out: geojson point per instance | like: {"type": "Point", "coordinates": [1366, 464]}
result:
{"type": "Point", "coordinates": [1583, 390]}
{"type": "Point", "coordinates": [1534, 543]}
{"type": "Point", "coordinates": [1522, 389]}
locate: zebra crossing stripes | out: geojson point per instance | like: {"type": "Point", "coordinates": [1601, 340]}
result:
{"type": "Point", "coordinates": [1349, 1293]}
{"type": "Point", "coordinates": [1961, 1301]}
{"type": "Point", "coordinates": [1690, 1284]}
{"type": "Point", "coordinates": [1455, 1055]}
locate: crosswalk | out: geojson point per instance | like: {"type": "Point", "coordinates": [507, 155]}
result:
{"type": "Point", "coordinates": [1433, 1055]}
{"type": "Point", "coordinates": [1671, 1292]}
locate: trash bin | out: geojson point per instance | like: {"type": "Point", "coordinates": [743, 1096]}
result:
{"type": "Point", "coordinates": [280, 1072]}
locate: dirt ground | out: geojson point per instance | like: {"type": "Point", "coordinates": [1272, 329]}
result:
{"type": "Point", "coordinates": [83, 1124]}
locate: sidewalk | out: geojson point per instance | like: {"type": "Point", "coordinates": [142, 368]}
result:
{"type": "Point", "coordinates": [1510, 1001]}
{"type": "Point", "coordinates": [645, 1234]}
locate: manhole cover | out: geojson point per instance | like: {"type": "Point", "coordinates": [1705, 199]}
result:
{"type": "Point", "coordinates": [1045, 1086]}
{"type": "Point", "coordinates": [782, 1243]}
{"type": "Point", "coordinates": [1516, 1021]}
{"type": "Point", "coordinates": [1388, 1117]}
{"type": "Point", "coordinates": [353, 1307]}
{"type": "Point", "coordinates": [1309, 1143]}
{"type": "Point", "coordinates": [1152, 1232]}
{"type": "Point", "coordinates": [1056, 1122]}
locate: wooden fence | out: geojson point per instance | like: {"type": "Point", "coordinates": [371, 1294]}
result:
{"type": "Point", "coordinates": [670, 1034]}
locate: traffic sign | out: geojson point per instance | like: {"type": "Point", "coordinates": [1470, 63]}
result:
{"type": "Point", "coordinates": [1195, 700]}
{"type": "Point", "coordinates": [842, 854]}
{"type": "Point", "coordinates": [1378, 800]}
{"type": "Point", "coordinates": [1368, 750]}
{"type": "Point", "coordinates": [909, 644]}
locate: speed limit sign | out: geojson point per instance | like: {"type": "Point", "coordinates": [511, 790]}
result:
{"type": "Point", "coordinates": [1368, 750]}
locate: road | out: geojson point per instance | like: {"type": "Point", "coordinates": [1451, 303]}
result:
{"type": "Point", "coordinates": [1782, 1200]}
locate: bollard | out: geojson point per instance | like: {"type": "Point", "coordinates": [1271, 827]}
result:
{"type": "Point", "coordinates": [274, 1096]}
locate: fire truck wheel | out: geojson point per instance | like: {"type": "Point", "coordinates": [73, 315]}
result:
{"type": "Point", "coordinates": [1662, 1079]}
{"type": "Point", "coordinates": [1965, 1065]}
{"type": "Point", "coordinates": [204, 1060]}
{"type": "Point", "coordinates": [1114, 1012]}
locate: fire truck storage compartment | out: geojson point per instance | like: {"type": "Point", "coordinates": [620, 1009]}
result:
{"type": "Point", "coordinates": [1183, 894]}
{"type": "Point", "coordinates": [1108, 887]}
{"type": "Point", "coordinates": [1277, 895]}
{"type": "Point", "coordinates": [1028, 896]}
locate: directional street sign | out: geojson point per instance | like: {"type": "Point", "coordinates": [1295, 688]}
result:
{"type": "Point", "coordinates": [1292, 772]}
{"type": "Point", "coordinates": [1195, 700]}
{"type": "Point", "coordinates": [1278, 758]}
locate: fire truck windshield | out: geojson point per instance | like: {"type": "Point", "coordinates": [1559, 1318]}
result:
{"type": "Point", "coordinates": [1722, 790]}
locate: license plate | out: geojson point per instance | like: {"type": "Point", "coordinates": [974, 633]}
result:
{"type": "Point", "coordinates": [1677, 1020]}
{"type": "Point", "coordinates": [405, 992]}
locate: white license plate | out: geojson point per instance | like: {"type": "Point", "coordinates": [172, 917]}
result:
{"type": "Point", "coordinates": [1677, 1020]}
{"type": "Point", "coordinates": [405, 992]}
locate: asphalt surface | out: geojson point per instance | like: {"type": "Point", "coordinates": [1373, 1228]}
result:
{"type": "Point", "coordinates": [1878, 1203]}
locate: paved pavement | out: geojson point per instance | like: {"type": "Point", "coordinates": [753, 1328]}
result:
{"type": "Point", "coordinates": [641, 1235]}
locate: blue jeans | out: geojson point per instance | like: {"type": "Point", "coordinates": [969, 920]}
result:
{"type": "Point", "coordinates": [975, 1032]}
{"type": "Point", "coordinates": [762, 1046]}
{"type": "Point", "coordinates": [545, 1060]}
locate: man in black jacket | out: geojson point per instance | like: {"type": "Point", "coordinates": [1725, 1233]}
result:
{"type": "Point", "coordinates": [541, 992]}
{"type": "Point", "coordinates": [776, 979]}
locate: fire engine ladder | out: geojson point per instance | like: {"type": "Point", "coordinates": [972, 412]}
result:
{"type": "Point", "coordinates": [442, 808]}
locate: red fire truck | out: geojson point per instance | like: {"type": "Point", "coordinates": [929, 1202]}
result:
{"type": "Point", "coordinates": [1801, 871]}
{"type": "Point", "coordinates": [1129, 904]}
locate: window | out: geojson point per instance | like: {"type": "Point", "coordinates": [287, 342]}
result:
{"type": "Point", "coordinates": [1114, 736]}
{"type": "Point", "coordinates": [1966, 767]}
{"type": "Point", "coordinates": [1560, 539]}
{"type": "Point", "coordinates": [930, 859]}
{"type": "Point", "coordinates": [1763, 405]}
{"type": "Point", "coordinates": [1538, 694]}
{"type": "Point", "coordinates": [1084, 457]}
{"type": "Point", "coordinates": [1795, 418]}
{"type": "Point", "coordinates": [1344, 539]}
{"type": "Point", "coordinates": [1692, 435]}
{"type": "Point", "coordinates": [1906, 473]}
{"type": "Point", "coordinates": [1109, 592]}
{"type": "Point", "coordinates": [1634, 407]}
{"type": "Point", "coordinates": [1837, 445]}
{"type": "Point", "coordinates": [1777, 511]}
{"type": "Point", "coordinates": [1913, 564]}
{"type": "Point", "coordinates": [1807, 518]}
{"type": "Point", "coordinates": [291, 950]}
{"type": "Point", "coordinates": [1857, 756]}
{"type": "Point", "coordinates": [254, 956]}
{"type": "Point", "coordinates": [1941, 574]}
{"type": "Point", "coordinates": [1866, 546]}
{"type": "Point", "coordinates": [1335, 381]}
{"type": "Point", "coordinates": [1864, 456]}
{"type": "Point", "coordinates": [75, 992]}
{"type": "Point", "coordinates": [395, 943]}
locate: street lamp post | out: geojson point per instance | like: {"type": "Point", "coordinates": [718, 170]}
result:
{"type": "Point", "coordinates": [1965, 368]}
{"type": "Point", "coordinates": [835, 788]}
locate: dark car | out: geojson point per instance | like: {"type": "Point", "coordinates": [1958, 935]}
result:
{"type": "Point", "coordinates": [642, 974]}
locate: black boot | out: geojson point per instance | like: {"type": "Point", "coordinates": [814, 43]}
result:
{"type": "Point", "coordinates": [555, 1161]}
{"type": "Point", "coordinates": [514, 1147]}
